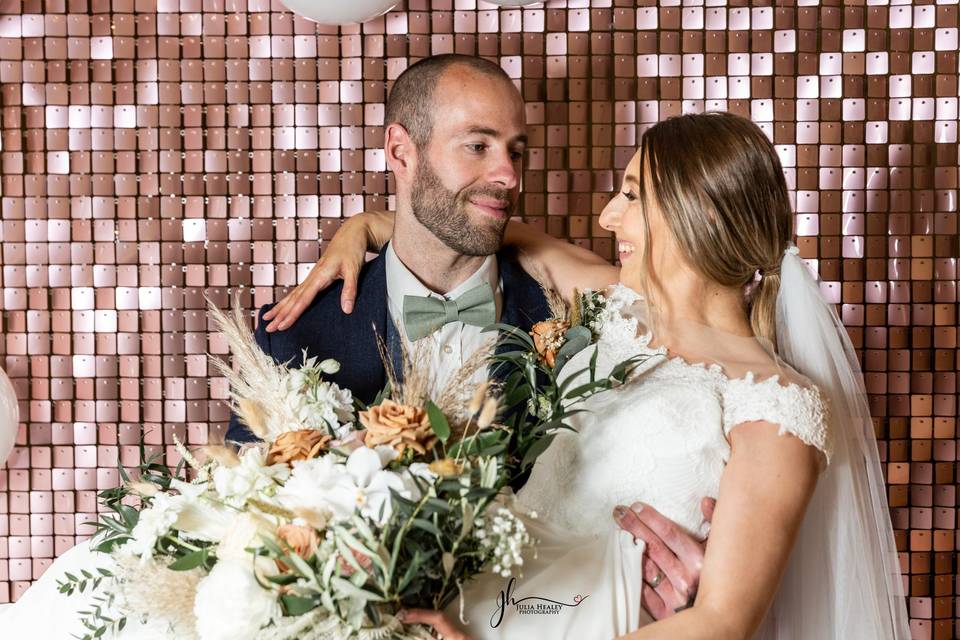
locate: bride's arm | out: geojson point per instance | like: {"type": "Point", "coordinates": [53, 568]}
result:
{"type": "Point", "coordinates": [764, 492]}
{"type": "Point", "coordinates": [561, 265]}
{"type": "Point", "coordinates": [343, 258]}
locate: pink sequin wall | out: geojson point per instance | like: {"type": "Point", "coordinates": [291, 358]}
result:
{"type": "Point", "coordinates": [158, 151]}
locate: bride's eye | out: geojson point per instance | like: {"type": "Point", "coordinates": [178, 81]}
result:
{"type": "Point", "coordinates": [630, 195]}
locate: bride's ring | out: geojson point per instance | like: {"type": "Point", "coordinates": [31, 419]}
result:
{"type": "Point", "coordinates": [657, 579]}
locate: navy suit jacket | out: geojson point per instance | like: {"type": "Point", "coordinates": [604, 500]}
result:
{"type": "Point", "coordinates": [326, 332]}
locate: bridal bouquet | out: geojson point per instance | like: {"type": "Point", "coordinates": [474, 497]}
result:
{"type": "Point", "coordinates": [340, 518]}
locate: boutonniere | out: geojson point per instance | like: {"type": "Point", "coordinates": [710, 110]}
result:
{"type": "Point", "coordinates": [571, 328]}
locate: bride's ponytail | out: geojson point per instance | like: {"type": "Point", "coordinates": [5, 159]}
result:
{"type": "Point", "coordinates": [763, 305]}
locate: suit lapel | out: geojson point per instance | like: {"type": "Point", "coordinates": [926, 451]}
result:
{"type": "Point", "coordinates": [523, 302]}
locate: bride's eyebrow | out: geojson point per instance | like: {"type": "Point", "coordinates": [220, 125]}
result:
{"type": "Point", "coordinates": [631, 180]}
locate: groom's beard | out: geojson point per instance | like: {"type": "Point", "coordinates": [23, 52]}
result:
{"type": "Point", "coordinates": [445, 213]}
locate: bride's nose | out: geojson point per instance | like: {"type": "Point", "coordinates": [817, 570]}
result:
{"type": "Point", "coordinates": [610, 217]}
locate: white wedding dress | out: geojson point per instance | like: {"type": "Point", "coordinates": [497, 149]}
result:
{"type": "Point", "coordinates": [661, 438]}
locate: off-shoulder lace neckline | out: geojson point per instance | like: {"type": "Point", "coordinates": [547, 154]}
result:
{"type": "Point", "coordinates": [627, 296]}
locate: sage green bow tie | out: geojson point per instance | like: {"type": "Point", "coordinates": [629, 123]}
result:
{"type": "Point", "coordinates": [424, 315]}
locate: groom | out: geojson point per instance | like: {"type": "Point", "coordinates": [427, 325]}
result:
{"type": "Point", "coordinates": [455, 139]}
{"type": "Point", "coordinates": [446, 237]}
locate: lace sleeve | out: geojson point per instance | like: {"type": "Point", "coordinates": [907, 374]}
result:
{"type": "Point", "coordinates": [798, 410]}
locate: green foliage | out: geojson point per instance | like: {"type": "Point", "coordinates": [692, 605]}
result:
{"type": "Point", "coordinates": [536, 404]}
{"type": "Point", "coordinates": [438, 421]}
{"type": "Point", "coordinates": [95, 620]}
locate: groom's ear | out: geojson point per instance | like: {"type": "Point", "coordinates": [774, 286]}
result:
{"type": "Point", "coordinates": [400, 151]}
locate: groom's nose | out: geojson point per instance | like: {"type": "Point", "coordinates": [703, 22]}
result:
{"type": "Point", "coordinates": [504, 170]}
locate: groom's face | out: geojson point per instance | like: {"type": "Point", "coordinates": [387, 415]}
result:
{"type": "Point", "coordinates": [467, 179]}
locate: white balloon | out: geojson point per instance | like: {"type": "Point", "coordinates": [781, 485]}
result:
{"type": "Point", "coordinates": [340, 11]}
{"type": "Point", "coordinates": [9, 417]}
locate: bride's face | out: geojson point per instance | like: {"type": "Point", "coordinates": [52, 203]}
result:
{"type": "Point", "coordinates": [638, 225]}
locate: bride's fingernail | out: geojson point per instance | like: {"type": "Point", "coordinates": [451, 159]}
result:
{"type": "Point", "coordinates": [637, 507]}
{"type": "Point", "coordinates": [402, 615]}
{"type": "Point", "coordinates": [619, 511]}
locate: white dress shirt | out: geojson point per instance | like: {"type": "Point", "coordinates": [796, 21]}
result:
{"type": "Point", "coordinates": [454, 343]}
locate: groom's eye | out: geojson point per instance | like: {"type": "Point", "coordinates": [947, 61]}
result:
{"type": "Point", "coordinates": [477, 147]}
{"type": "Point", "coordinates": [516, 155]}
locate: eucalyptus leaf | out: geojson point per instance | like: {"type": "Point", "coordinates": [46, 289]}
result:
{"type": "Point", "coordinates": [352, 591]}
{"type": "Point", "coordinates": [191, 560]}
{"type": "Point", "coordinates": [576, 339]}
{"type": "Point", "coordinates": [438, 421]}
{"type": "Point", "coordinates": [282, 578]}
{"type": "Point", "coordinates": [298, 605]}
{"type": "Point", "coordinates": [426, 525]}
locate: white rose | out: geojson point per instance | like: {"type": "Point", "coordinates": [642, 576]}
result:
{"type": "Point", "coordinates": [308, 483]}
{"type": "Point", "coordinates": [231, 605]}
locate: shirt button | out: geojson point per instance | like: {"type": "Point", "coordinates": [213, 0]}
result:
{"type": "Point", "coordinates": [447, 349]}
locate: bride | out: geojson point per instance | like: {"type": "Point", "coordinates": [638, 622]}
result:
{"type": "Point", "coordinates": [751, 393]}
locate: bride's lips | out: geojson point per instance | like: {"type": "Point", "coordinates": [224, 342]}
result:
{"type": "Point", "coordinates": [625, 250]}
{"type": "Point", "coordinates": [492, 207]}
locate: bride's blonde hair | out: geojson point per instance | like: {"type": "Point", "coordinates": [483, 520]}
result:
{"type": "Point", "coordinates": [719, 184]}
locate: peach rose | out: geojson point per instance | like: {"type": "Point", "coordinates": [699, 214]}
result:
{"type": "Point", "coordinates": [399, 426]}
{"type": "Point", "coordinates": [548, 337]}
{"type": "Point", "coordinates": [301, 444]}
{"type": "Point", "coordinates": [302, 540]}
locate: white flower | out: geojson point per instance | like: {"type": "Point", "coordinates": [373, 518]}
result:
{"type": "Point", "coordinates": [249, 479]}
{"type": "Point", "coordinates": [308, 482]}
{"type": "Point", "coordinates": [331, 403]}
{"type": "Point", "coordinates": [361, 484]}
{"type": "Point", "coordinates": [421, 471]}
{"type": "Point", "coordinates": [204, 519]}
{"type": "Point", "coordinates": [246, 531]}
{"type": "Point", "coordinates": [316, 405]}
{"type": "Point", "coordinates": [370, 486]}
{"type": "Point", "coordinates": [195, 515]}
{"type": "Point", "coordinates": [230, 604]}
{"type": "Point", "coordinates": [153, 523]}
{"type": "Point", "coordinates": [329, 366]}
{"type": "Point", "coordinates": [503, 536]}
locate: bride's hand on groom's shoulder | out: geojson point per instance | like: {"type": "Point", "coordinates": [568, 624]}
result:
{"type": "Point", "coordinates": [672, 559]}
{"type": "Point", "coordinates": [434, 619]}
{"type": "Point", "coordinates": [342, 258]}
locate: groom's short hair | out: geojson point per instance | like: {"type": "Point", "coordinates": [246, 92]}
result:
{"type": "Point", "coordinates": [411, 100]}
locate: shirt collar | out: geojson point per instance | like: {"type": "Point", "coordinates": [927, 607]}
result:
{"type": "Point", "coordinates": [402, 282]}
